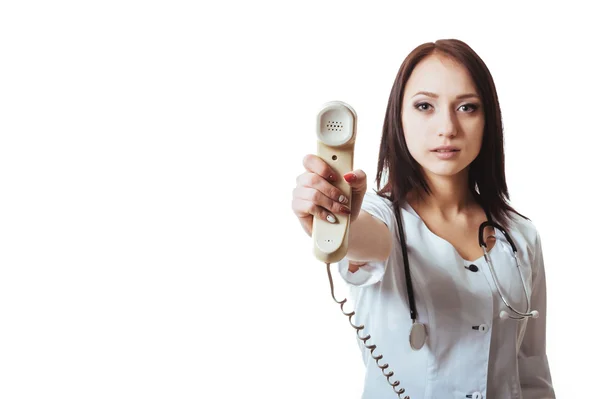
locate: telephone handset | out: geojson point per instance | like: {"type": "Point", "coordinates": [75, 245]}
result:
{"type": "Point", "coordinates": [336, 134]}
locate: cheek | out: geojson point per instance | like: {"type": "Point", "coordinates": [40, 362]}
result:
{"type": "Point", "coordinates": [415, 133]}
{"type": "Point", "coordinates": [474, 136]}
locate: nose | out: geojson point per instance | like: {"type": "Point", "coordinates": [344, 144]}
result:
{"type": "Point", "coordinates": [447, 124]}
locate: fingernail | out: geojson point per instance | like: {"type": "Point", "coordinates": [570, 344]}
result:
{"type": "Point", "coordinates": [331, 218]}
{"type": "Point", "coordinates": [332, 178]}
{"type": "Point", "coordinates": [346, 211]}
{"type": "Point", "coordinates": [343, 199]}
{"type": "Point", "coordinates": [350, 177]}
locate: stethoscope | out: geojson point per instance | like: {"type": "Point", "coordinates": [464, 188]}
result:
{"type": "Point", "coordinates": [418, 334]}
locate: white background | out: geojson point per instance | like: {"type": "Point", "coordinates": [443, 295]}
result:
{"type": "Point", "coordinates": [148, 154]}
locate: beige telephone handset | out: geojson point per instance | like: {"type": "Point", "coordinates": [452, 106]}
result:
{"type": "Point", "coordinates": [336, 134]}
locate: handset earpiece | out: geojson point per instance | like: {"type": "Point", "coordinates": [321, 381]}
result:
{"type": "Point", "coordinates": [336, 134]}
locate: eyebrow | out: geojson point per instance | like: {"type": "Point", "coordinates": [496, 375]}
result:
{"type": "Point", "coordinates": [462, 96]}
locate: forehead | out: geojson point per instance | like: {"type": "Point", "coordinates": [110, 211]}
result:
{"type": "Point", "coordinates": [441, 75]}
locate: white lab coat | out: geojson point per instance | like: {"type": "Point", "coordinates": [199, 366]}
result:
{"type": "Point", "coordinates": [469, 349]}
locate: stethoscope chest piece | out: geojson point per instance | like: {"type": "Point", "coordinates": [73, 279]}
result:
{"type": "Point", "coordinates": [417, 336]}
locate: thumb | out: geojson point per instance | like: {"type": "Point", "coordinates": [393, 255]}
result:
{"type": "Point", "coordinates": [357, 180]}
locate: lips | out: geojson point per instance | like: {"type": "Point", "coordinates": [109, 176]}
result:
{"type": "Point", "coordinates": [447, 148]}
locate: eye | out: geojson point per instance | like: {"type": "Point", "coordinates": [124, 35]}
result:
{"type": "Point", "coordinates": [423, 106]}
{"type": "Point", "coordinates": [468, 107]}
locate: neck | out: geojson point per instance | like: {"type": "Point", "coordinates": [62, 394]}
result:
{"type": "Point", "coordinates": [450, 196]}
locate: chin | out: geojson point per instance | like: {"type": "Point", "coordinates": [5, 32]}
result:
{"type": "Point", "coordinates": [447, 170]}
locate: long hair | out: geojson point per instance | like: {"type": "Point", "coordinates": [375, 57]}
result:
{"type": "Point", "coordinates": [486, 179]}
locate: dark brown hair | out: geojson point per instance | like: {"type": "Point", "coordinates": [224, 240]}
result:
{"type": "Point", "coordinates": [487, 180]}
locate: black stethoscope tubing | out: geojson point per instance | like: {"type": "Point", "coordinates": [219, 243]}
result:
{"type": "Point", "coordinates": [409, 285]}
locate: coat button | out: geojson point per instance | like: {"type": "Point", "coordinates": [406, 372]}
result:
{"type": "Point", "coordinates": [481, 327]}
{"type": "Point", "coordinates": [472, 268]}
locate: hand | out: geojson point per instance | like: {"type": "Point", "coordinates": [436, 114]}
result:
{"type": "Point", "coordinates": [314, 195]}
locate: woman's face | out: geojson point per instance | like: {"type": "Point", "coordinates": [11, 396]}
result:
{"type": "Point", "coordinates": [441, 107]}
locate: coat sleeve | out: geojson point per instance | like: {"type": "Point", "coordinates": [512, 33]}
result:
{"type": "Point", "coordinates": [534, 371]}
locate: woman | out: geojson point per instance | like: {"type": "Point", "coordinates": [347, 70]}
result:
{"type": "Point", "coordinates": [442, 159]}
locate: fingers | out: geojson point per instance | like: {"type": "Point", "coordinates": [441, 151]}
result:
{"type": "Point", "coordinates": [317, 182]}
{"type": "Point", "coordinates": [305, 210]}
{"type": "Point", "coordinates": [321, 200]}
{"type": "Point", "coordinates": [316, 196]}
{"type": "Point", "coordinates": [313, 163]}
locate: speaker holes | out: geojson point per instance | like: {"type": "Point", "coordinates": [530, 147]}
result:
{"type": "Point", "coordinates": [333, 125]}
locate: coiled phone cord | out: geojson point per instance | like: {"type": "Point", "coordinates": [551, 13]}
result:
{"type": "Point", "coordinates": [365, 339]}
